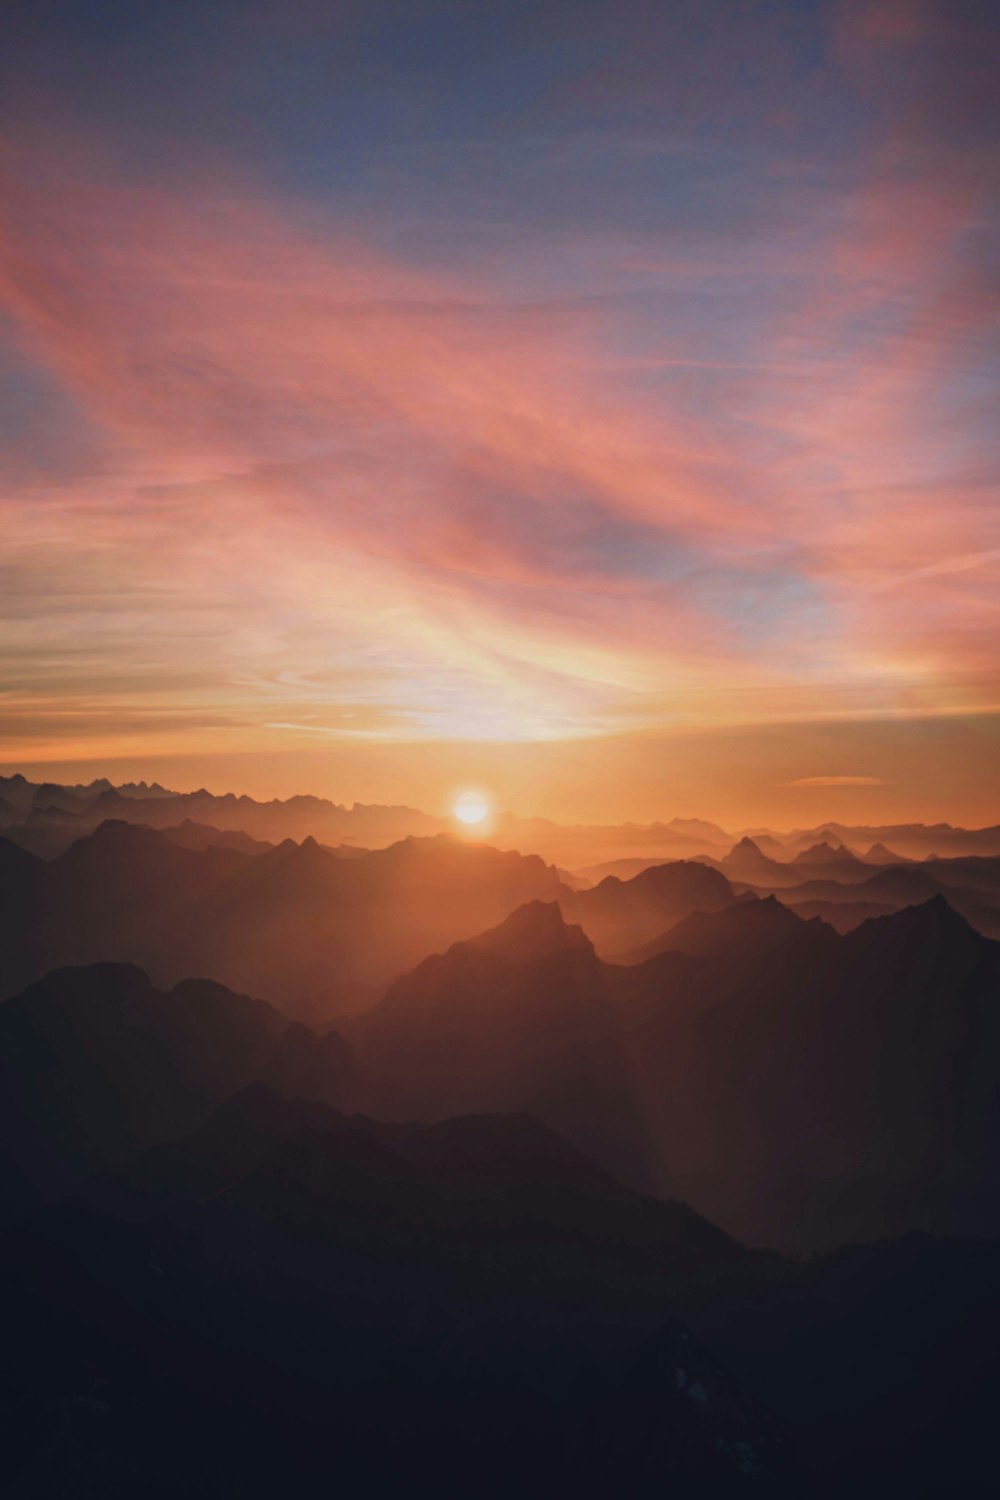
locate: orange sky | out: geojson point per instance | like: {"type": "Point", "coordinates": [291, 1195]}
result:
{"type": "Point", "coordinates": [366, 466]}
{"type": "Point", "coordinates": [787, 776]}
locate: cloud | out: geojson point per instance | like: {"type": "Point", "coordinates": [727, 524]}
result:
{"type": "Point", "coordinates": [667, 421]}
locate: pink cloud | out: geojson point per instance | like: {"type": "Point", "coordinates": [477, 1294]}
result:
{"type": "Point", "coordinates": [341, 479]}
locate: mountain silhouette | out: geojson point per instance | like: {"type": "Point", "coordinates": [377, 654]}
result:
{"type": "Point", "coordinates": [746, 927]}
{"type": "Point", "coordinates": [878, 854]}
{"type": "Point", "coordinates": [517, 1020]}
{"type": "Point", "coordinates": [859, 1105]}
{"type": "Point", "coordinates": [746, 862]}
{"type": "Point", "coordinates": [285, 1286]}
{"type": "Point", "coordinates": [617, 914]}
{"type": "Point", "coordinates": [290, 923]}
{"type": "Point", "coordinates": [797, 1086]}
{"type": "Point", "coordinates": [293, 922]}
{"type": "Point", "coordinates": [822, 853]}
{"type": "Point", "coordinates": [95, 1063]}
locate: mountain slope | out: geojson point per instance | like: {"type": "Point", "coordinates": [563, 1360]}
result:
{"type": "Point", "coordinates": [820, 1088]}
{"type": "Point", "coordinates": [799, 1087]}
{"type": "Point", "coordinates": [517, 1020]}
{"type": "Point", "coordinates": [95, 1064]}
{"type": "Point", "coordinates": [618, 913]}
{"type": "Point", "coordinates": [290, 923]}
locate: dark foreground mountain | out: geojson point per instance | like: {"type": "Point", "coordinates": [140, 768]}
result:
{"type": "Point", "coordinates": [799, 1087]}
{"type": "Point", "coordinates": [806, 1088]}
{"type": "Point", "coordinates": [247, 1283]}
{"type": "Point", "coordinates": [287, 1293]}
{"type": "Point", "coordinates": [96, 1064]}
{"type": "Point", "coordinates": [520, 1019]}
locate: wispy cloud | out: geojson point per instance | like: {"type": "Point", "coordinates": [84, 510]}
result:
{"type": "Point", "coordinates": [568, 452]}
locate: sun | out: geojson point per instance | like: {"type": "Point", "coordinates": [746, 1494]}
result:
{"type": "Point", "coordinates": [471, 808]}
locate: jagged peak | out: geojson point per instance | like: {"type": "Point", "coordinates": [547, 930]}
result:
{"type": "Point", "coordinates": [822, 853]}
{"type": "Point", "coordinates": [879, 852]}
{"type": "Point", "coordinates": [116, 830]}
{"type": "Point", "coordinates": [752, 920]}
{"type": "Point", "coordinates": [531, 931]}
{"type": "Point", "coordinates": [935, 915]}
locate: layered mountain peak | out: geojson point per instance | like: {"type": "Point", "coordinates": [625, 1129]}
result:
{"type": "Point", "coordinates": [533, 931]}
{"type": "Point", "coordinates": [823, 853]}
{"type": "Point", "coordinates": [747, 856]}
{"type": "Point", "coordinates": [878, 854]}
{"type": "Point", "coordinates": [113, 835]}
{"type": "Point", "coordinates": [934, 918]}
{"type": "Point", "coordinates": [745, 923]}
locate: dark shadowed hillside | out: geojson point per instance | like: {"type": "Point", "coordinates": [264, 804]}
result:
{"type": "Point", "coordinates": [285, 1281]}
{"type": "Point", "coordinates": [800, 1087]}
{"type": "Point", "coordinates": [95, 1064]}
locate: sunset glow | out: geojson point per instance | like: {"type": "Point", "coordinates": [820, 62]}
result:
{"type": "Point", "coordinates": [471, 809]}
{"type": "Point", "coordinates": [610, 410]}
{"type": "Point", "coordinates": [499, 747]}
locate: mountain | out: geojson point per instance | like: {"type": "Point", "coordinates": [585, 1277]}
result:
{"type": "Point", "coordinates": [155, 807]}
{"type": "Point", "coordinates": [745, 861]}
{"type": "Point", "coordinates": [821, 854]}
{"type": "Point", "coordinates": [878, 854]}
{"type": "Point", "coordinates": [913, 840]}
{"type": "Point", "coordinates": [842, 915]}
{"type": "Point", "coordinates": [769, 845]}
{"type": "Point", "coordinates": [96, 1064]}
{"type": "Point", "coordinates": [700, 829]}
{"type": "Point", "coordinates": [748, 926]}
{"type": "Point", "coordinates": [798, 1086]}
{"type": "Point", "coordinates": [618, 913]}
{"type": "Point", "coordinates": [860, 1103]}
{"type": "Point", "coordinates": [750, 868]}
{"type": "Point", "coordinates": [624, 869]}
{"type": "Point", "coordinates": [517, 1020]}
{"type": "Point", "coordinates": [17, 791]}
{"type": "Point", "coordinates": [489, 1168]}
{"type": "Point", "coordinates": [23, 951]}
{"type": "Point", "coordinates": [292, 922]}
{"type": "Point", "coordinates": [289, 923]}
{"type": "Point", "coordinates": [286, 1288]}
{"type": "Point", "coordinates": [969, 885]}
{"type": "Point", "coordinates": [973, 873]}
{"type": "Point", "coordinates": [227, 1267]}
{"type": "Point", "coordinates": [198, 836]}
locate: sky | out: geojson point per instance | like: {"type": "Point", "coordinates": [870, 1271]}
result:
{"type": "Point", "coordinates": [593, 402]}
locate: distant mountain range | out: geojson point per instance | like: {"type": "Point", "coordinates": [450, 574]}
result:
{"type": "Point", "coordinates": [293, 922]}
{"type": "Point", "coordinates": [46, 817]}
